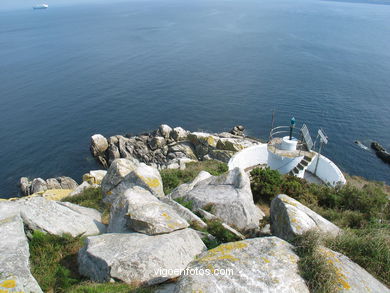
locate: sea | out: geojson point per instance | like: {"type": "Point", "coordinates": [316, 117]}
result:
{"type": "Point", "coordinates": [69, 72]}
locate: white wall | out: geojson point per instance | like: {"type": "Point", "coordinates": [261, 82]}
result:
{"type": "Point", "coordinates": [251, 156]}
{"type": "Point", "coordinates": [282, 164]}
{"type": "Point", "coordinates": [327, 171]}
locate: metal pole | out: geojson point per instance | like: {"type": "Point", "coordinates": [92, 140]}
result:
{"type": "Point", "coordinates": [318, 158]}
{"type": "Point", "coordinates": [272, 125]}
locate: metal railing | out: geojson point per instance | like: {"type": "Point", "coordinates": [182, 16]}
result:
{"type": "Point", "coordinates": [281, 131]}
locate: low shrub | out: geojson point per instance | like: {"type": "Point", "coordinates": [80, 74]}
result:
{"type": "Point", "coordinates": [265, 184]}
{"type": "Point", "coordinates": [185, 203]}
{"type": "Point", "coordinates": [89, 287]}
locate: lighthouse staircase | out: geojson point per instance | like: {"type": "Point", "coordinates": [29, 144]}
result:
{"type": "Point", "coordinates": [300, 169]}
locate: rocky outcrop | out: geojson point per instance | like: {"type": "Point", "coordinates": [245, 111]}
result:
{"type": "Point", "coordinates": [138, 210]}
{"type": "Point", "coordinates": [266, 264]}
{"type": "Point", "coordinates": [38, 185]}
{"type": "Point", "coordinates": [182, 189]}
{"type": "Point", "coordinates": [381, 152]}
{"type": "Point", "coordinates": [290, 218]}
{"type": "Point", "coordinates": [15, 275]}
{"type": "Point", "coordinates": [142, 175]}
{"type": "Point", "coordinates": [351, 277]}
{"type": "Point", "coordinates": [229, 197]}
{"type": "Point", "coordinates": [167, 147]}
{"type": "Point", "coordinates": [138, 258]}
{"type": "Point", "coordinates": [94, 176]}
{"type": "Point", "coordinates": [39, 213]}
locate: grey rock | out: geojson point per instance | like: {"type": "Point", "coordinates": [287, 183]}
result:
{"type": "Point", "coordinates": [203, 138]}
{"type": "Point", "coordinates": [266, 264]}
{"type": "Point", "coordinates": [94, 176]}
{"type": "Point", "coordinates": [185, 213]}
{"type": "Point", "coordinates": [221, 155]}
{"type": "Point", "coordinates": [24, 185]}
{"type": "Point", "coordinates": [351, 277]}
{"type": "Point", "coordinates": [183, 147]}
{"type": "Point", "coordinates": [232, 144]}
{"type": "Point", "coordinates": [157, 142]}
{"type": "Point", "coordinates": [238, 130]}
{"type": "Point", "coordinates": [67, 182]}
{"type": "Point", "coordinates": [183, 189]}
{"type": "Point", "coordinates": [230, 198]}
{"type": "Point", "coordinates": [178, 134]}
{"type": "Point", "coordinates": [138, 210]}
{"type": "Point", "coordinates": [81, 188]}
{"type": "Point", "coordinates": [115, 174]}
{"type": "Point", "coordinates": [38, 185]}
{"type": "Point", "coordinates": [56, 218]}
{"type": "Point", "coordinates": [290, 218]}
{"type": "Point", "coordinates": [137, 258]}
{"type": "Point", "coordinates": [53, 183]}
{"type": "Point", "coordinates": [164, 130]}
{"type": "Point", "coordinates": [15, 275]}
{"type": "Point", "coordinates": [99, 144]}
{"type": "Point", "coordinates": [113, 153]}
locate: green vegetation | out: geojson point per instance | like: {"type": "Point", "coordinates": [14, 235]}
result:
{"type": "Point", "coordinates": [91, 198]}
{"type": "Point", "coordinates": [320, 275]}
{"type": "Point", "coordinates": [185, 203]}
{"type": "Point", "coordinates": [174, 177]}
{"type": "Point", "coordinates": [361, 208]}
{"type": "Point", "coordinates": [88, 287]}
{"type": "Point", "coordinates": [54, 260]}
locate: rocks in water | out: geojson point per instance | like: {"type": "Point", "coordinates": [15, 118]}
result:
{"type": "Point", "coordinates": [167, 147]}
{"type": "Point", "coordinates": [95, 176]}
{"type": "Point", "coordinates": [266, 264]}
{"type": "Point", "coordinates": [15, 275]}
{"type": "Point", "coordinates": [290, 218]}
{"type": "Point", "coordinates": [350, 276]}
{"type": "Point", "coordinates": [38, 185]}
{"type": "Point", "coordinates": [137, 258]}
{"type": "Point", "coordinates": [99, 145]}
{"type": "Point", "coordinates": [238, 130]}
{"type": "Point", "coordinates": [381, 152]}
{"type": "Point", "coordinates": [229, 197]}
{"type": "Point", "coordinates": [39, 213]}
{"type": "Point", "coordinates": [138, 210]}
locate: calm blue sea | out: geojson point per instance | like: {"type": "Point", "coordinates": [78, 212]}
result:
{"type": "Point", "coordinates": [69, 72]}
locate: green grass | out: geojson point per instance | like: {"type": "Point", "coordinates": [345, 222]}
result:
{"type": "Point", "coordinates": [91, 198]}
{"type": "Point", "coordinates": [185, 203]}
{"type": "Point", "coordinates": [54, 260]}
{"type": "Point", "coordinates": [89, 287]}
{"type": "Point", "coordinates": [320, 275]}
{"type": "Point", "coordinates": [174, 177]}
{"type": "Point", "coordinates": [368, 247]}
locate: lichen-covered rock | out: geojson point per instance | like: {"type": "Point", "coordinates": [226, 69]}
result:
{"type": "Point", "coordinates": [351, 277]}
{"type": "Point", "coordinates": [136, 258]}
{"type": "Point", "coordinates": [182, 189]}
{"type": "Point", "coordinates": [165, 130]}
{"type": "Point", "coordinates": [138, 210]}
{"type": "Point", "coordinates": [229, 197]}
{"type": "Point", "coordinates": [115, 174]}
{"type": "Point", "coordinates": [38, 185]}
{"type": "Point", "coordinates": [24, 186]}
{"type": "Point", "coordinates": [266, 264]}
{"type": "Point", "coordinates": [143, 176]}
{"type": "Point", "coordinates": [53, 183]}
{"type": "Point", "coordinates": [182, 149]}
{"type": "Point", "coordinates": [157, 142]}
{"type": "Point", "coordinates": [15, 275]}
{"type": "Point", "coordinates": [232, 144]}
{"type": "Point", "coordinates": [39, 213]}
{"type": "Point", "coordinates": [185, 213]}
{"type": "Point", "coordinates": [203, 138]}
{"type": "Point", "coordinates": [290, 218]}
{"type": "Point", "coordinates": [94, 176]}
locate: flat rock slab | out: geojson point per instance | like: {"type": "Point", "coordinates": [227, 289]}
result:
{"type": "Point", "coordinates": [290, 218]}
{"type": "Point", "coordinates": [56, 218]}
{"type": "Point", "coordinates": [137, 258]}
{"type": "Point", "coordinates": [255, 265]}
{"type": "Point", "coordinates": [15, 275]}
{"type": "Point", "coordinates": [138, 210]}
{"type": "Point", "coordinates": [351, 277]}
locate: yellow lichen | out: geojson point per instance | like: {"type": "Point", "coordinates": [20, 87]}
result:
{"type": "Point", "coordinates": [8, 284]}
{"type": "Point", "coordinates": [223, 252]}
{"type": "Point", "coordinates": [151, 182]}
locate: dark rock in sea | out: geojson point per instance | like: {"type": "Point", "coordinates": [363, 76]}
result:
{"type": "Point", "coordinates": [381, 152]}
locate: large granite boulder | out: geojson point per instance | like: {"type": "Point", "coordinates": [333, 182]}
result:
{"type": "Point", "coordinates": [67, 182]}
{"type": "Point", "coordinates": [229, 197]}
{"type": "Point", "coordinates": [351, 277]}
{"type": "Point", "coordinates": [99, 144]}
{"type": "Point", "coordinates": [233, 144]}
{"type": "Point", "coordinates": [290, 218]}
{"type": "Point", "coordinates": [165, 130]}
{"type": "Point", "coordinates": [15, 275]}
{"type": "Point", "coordinates": [266, 264]}
{"type": "Point", "coordinates": [138, 210]}
{"type": "Point", "coordinates": [94, 176]}
{"type": "Point", "coordinates": [143, 176]}
{"type": "Point", "coordinates": [38, 185]}
{"type": "Point", "coordinates": [53, 183]}
{"type": "Point", "coordinates": [138, 258]}
{"type": "Point", "coordinates": [178, 134]}
{"type": "Point", "coordinates": [182, 189]}
{"type": "Point", "coordinates": [115, 174]}
{"type": "Point", "coordinates": [39, 213]}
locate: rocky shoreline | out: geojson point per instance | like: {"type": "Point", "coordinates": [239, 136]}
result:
{"type": "Point", "coordinates": [169, 147]}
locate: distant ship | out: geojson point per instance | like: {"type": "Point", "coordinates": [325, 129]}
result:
{"type": "Point", "coordinates": [41, 6]}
